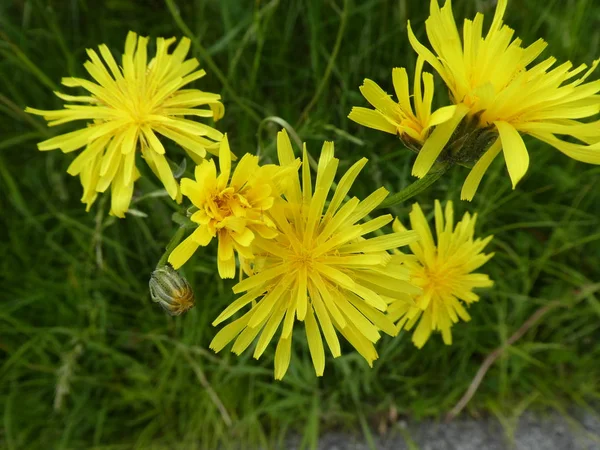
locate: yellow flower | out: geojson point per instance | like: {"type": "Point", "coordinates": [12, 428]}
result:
{"type": "Point", "coordinates": [443, 270]}
{"type": "Point", "coordinates": [413, 125]}
{"type": "Point", "coordinates": [490, 83]}
{"type": "Point", "coordinates": [128, 106]}
{"type": "Point", "coordinates": [319, 269]}
{"type": "Point", "coordinates": [233, 210]}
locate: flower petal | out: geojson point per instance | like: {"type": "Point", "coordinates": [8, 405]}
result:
{"type": "Point", "coordinates": [476, 174]}
{"type": "Point", "coordinates": [372, 119]}
{"type": "Point", "coordinates": [515, 152]}
{"type": "Point", "coordinates": [435, 143]}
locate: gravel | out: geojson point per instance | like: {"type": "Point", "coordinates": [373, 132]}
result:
{"type": "Point", "coordinates": [531, 432]}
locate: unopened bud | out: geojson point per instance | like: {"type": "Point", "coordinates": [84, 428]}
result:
{"type": "Point", "coordinates": [171, 291]}
{"type": "Point", "coordinates": [469, 142]}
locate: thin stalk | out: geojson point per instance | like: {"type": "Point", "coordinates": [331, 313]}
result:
{"type": "Point", "coordinates": [414, 188]}
{"type": "Point", "coordinates": [174, 242]}
{"type": "Point", "coordinates": [330, 64]}
{"type": "Point", "coordinates": [28, 63]}
{"type": "Point", "coordinates": [174, 10]}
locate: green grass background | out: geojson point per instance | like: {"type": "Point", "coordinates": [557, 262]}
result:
{"type": "Point", "coordinates": [88, 361]}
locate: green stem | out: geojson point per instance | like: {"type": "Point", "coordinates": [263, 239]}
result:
{"type": "Point", "coordinates": [330, 64]}
{"type": "Point", "coordinates": [174, 242]}
{"type": "Point", "coordinates": [28, 63]}
{"type": "Point", "coordinates": [282, 123]}
{"type": "Point", "coordinates": [174, 10]}
{"type": "Point", "coordinates": [414, 188]}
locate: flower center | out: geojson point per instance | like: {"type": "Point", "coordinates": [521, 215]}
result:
{"type": "Point", "coordinates": [223, 202]}
{"type": "Point", "coordinates": [303, 260]}
{"type": "Point", "coordinates": [140, 104]}
{"type": "Point", "coordinates": [221, 205]}
{"type": "Point", "coordinates": [437, 278]}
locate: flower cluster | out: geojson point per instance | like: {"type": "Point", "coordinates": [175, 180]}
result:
{"type": "Point", "coordinates": [497, 92]}
{"type": "Point", "coordinates": [307, 252]}
{"type": "Point", "coordinates": [319, 269]}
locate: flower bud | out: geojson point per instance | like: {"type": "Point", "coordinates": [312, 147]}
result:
{"type": "Point", "coordinates": [469, 141]}
{"type": "Point", "coordinates": [171, 291]}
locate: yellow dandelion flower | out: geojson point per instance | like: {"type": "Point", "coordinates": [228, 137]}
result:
{"type": "Point", "coordinates": [232, 210]}
{"type": "Point", "coordinates": [127, 107]}
{"type": "Point", "coordinates": [490, 82]}
{"type": "Point", "coordinates": [412, 124]}
{"type": "Point", "coordinates": [319, 269]}
{"type": "Point", "coordinates": [443, 270]}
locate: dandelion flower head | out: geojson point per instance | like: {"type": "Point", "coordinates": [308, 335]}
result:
{"type": "Point", "coordinates": [127, 108]}
{"type": "Point", "coordinates": [412, 124]}
{"type": "Point", "coordinates": [319, 269]}
{"type": "Point", "coordinates": [444, 271]}
{"type": "Point", "coordinates": [493, 83]}
{"type": "Point", "coordinates": [231, 207]}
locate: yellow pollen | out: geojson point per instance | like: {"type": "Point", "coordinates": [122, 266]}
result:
{"type": "Point", "coordinates": [438, 278]}
{"type": "Point", "coordinates": [304, 259]}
